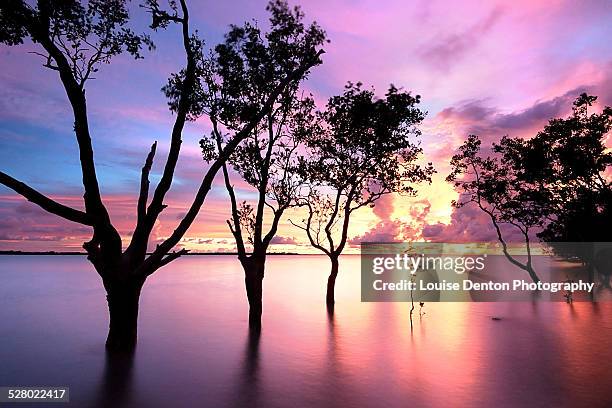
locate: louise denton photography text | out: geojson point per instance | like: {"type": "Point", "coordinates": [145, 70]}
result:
{"type": "Point", "coordinates": [467, 284]}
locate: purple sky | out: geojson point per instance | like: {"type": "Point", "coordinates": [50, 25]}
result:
{"type": "Point", "coordinates": [491, 68]}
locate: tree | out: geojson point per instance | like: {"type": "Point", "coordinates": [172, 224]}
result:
{"type": "Point", "coordinates": [75, 40]}
{"type": "Point", "coordinates": [360, 148]}
{"type": "Point", "coordinates": [495, 184]}
{"type": "Point", "coordinates": [553, 185]}
{"type": "Point", "coordinates": [266, 162]}
{"type": "Point", "coordinates": [569, 160]}
{"type": "Point", "coordinates": [570, 163]}
{"type": "Point", "coordinates": [266, 158]}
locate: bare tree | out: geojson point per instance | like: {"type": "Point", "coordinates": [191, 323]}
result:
{"type": "Point", "coordinates": [75, 40]}
{"type": "Point", "coordinates": [360, 148]}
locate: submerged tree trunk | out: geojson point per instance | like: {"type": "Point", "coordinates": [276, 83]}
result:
{"type": "Point", "coordinates": [331, 282]}
{"type": "Point", "coordinates": [123, 297]}
{"type": "Point", "coordinates": [253, 280]}
{"type": "Point", "coordinates": [532, 273]}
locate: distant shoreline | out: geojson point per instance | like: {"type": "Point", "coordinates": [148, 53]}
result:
{"type": "Point", "coordinates": [84, 254]}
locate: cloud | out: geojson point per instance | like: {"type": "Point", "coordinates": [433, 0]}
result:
{"type": "Point", "coordinates": [384, 231]}
{"type": "Point", "coordinates": [489, 122]}
{"type": "Point", "coordinates": [205, 241]}
{"type": "Point", "coordinates": [445, 132]}
{"type": "Point", "coordinates": [408, 227]}
{"type": "Point", "coordinates": [454, 47]}
{"type": "Point", "coordinates": [482, 68]}
{"type": "Point", "coordinates": [469, 224]}
{"type": "Point", "coordinates": [280, 240]}
{"type": "Point", "coordinates": [26, 227]}
{"type": "Point", "coordinates": [383, 207]}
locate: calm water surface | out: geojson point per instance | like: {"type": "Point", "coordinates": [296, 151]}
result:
{"type": "Point", "coordinates": [194, 348]}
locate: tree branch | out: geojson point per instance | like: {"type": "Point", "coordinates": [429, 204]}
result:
{"type": "Point", "coordinates": [345, 223]}
{"type": "Point", "coordinates": [272, 232]}
{"type": "Point", "coordinates": [143, 229]}
{"type": "Point", "coordinates": [156, 206]}
{"type": "Point", "coordinates": [106, 239]}
{"type": "Point", "coordinates": [45, 202]}
{"type": "Point", "coordinates": [315, 243]}
{"type": "Point", "coordinates": [171, 257]}
{"type": "Point", "coordinates": [263, 187]}
{"type": "Point", "coordinates": [144, 185]}
{"type": "Point", "coordinates": [229, 148]}
{"type": "Point", "coordinates": [236, 230]}
{"type": "Point", "coordinates": [76, 96]}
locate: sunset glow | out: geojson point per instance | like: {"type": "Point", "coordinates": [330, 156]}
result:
{"type": "Point", "coordinates": [491, 68]}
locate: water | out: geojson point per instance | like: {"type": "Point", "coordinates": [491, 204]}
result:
{"type": "Point", "coordinates": [194, 349]}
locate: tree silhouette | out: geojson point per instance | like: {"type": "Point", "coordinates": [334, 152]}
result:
{"type": "Point", "coordinates": [568, 159]}
{"type": "Point", "coordinates": [495, 185]}
{"type": "Point", "coordinates": [266, 161]}
{"type": "Point", "coordinates": [552, 184]}
{"type": "Point", "coordinates": [266, 158]}
{"type": "Point", "coordinates": [360, 148]}
{"type": "Point", "coordinates": [75, 40]}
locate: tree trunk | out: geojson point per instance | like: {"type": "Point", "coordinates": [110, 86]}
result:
{"type": "Point", "coordinates": [331, 282]}
{"type": "Point", "coordinates": [532, 274]}
{"type": "Point", "coordinates": [253, 280]}
{"type": "Point", "coordinates": [123, 297]}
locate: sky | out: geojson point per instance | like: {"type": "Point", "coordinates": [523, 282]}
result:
{"type": "Point", "coordinates": [491, 68]}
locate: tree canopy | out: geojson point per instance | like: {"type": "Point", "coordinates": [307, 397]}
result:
{"type": "Point", "coordinates": [553, 185]}
{"type": "Point", "coordinates": [360, 147]}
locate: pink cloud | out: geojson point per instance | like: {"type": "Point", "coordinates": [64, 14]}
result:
{"type": "Point", "coordinates": [383, 207]}
{"type": "Point", "coordinates": [450, 49]}
{"type": "Point", "coordinates": [490, 68]}
{"type": "Point", "coordinates": [408, 228]}
{"type": "Point", "coordinates": [384, 231]}
{"type": "Point", "coordinates": [281, 240]}
{"type": "Point", "coordinates": [468, 224]}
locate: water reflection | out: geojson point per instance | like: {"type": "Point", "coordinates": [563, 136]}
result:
{"type": "Point", "coordinates": [333, 372]}
{"type": "Point", "coordinates": [584, 369]}
{"type": "Point", "coordinates": [195, 348]}
{"type": "Point", "coordinates": [248, 392]}
{"type": "Point", "coordinates": [116, 383]}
